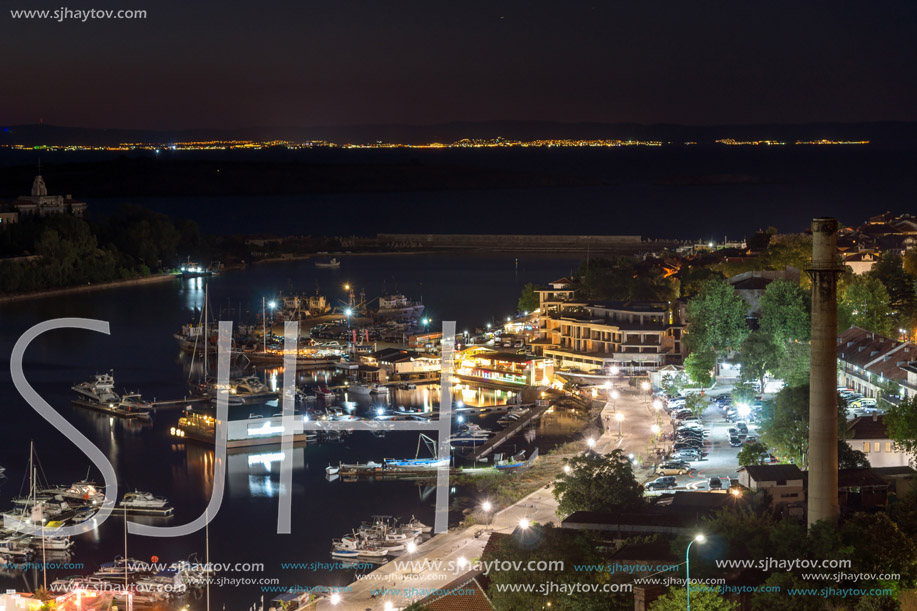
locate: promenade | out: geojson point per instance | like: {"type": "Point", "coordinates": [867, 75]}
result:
{"type": "Point", "coordinates": [444, 550]}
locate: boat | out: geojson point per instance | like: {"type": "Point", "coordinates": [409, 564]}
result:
{"type": "Point", "coordinates": [333, 263]}
{"type": "Point", "coordinates": [248, 389]}
{"type": "Point", "coordinates": [332, 470]}
{"type": "Point", "coordinates": [57, 544]}
{"type": "Point", "coordinates": [378, 389]}
{"type": "Point", "coordinates": [145, 502]}
{"type": "Point", "coordinates": [433, 462]}
{"type": "Point", "coordinates": [407, 386]}
{"type": "Point", "coordinates": [168, 581]}
{"type": "Point", "coordinates": [514, 462]}
{"type": "Point", "coordinates": [398, 307]}
{"type": "Point", "coordinates": [191, 269]}
{"type": "Point", "coordinates": [418, 525]}
{"type": "Point", "coordinates": [133, 405]}
{"type": "Point", "coordinates": [306, 393]}
{"type": "Point", "coordinates": [324, 392]}
{"type": "Point", "coordinates": [359, 389]}
{"type": "Point", "coordinates": [99, 390]}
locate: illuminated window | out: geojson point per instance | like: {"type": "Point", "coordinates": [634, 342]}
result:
{"type": "Point", "coordinates": [888, 446]}
{"type": "Point", "coordinates": [876, 447]}
{"type": "Point", "coordinates": [866, 447]}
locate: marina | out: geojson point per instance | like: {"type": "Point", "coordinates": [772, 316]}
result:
{"type": "Point", "coordinates": [183, 458]}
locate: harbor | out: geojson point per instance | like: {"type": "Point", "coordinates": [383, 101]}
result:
{"type": "Point", "coordinates": [349, 388]}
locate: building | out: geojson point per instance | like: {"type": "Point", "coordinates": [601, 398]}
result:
{"type": "Point", "coordinates": [482, 364]}
{"type": "Point", "coordinates": [598, 337]}
{"type": "Point", "coordinates": [752, 285]}
{"type": "Point", "coordinates": [40, 203]}
{"type": "Point", "coordinates": [869, 435]}
{"type": "Point", "coordinates": [403, 363]}
{"type": "Point", "coordinates": [784, 483]}
{"type": "Point", "coordinates": [8, 216]}
{"type": "Point", "coordinates": [877, 366]}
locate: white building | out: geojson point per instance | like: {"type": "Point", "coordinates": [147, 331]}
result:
{"type": "Point", "coordinates": [42, 204]}
{"type": "Point", "coordinates": [868, 435]}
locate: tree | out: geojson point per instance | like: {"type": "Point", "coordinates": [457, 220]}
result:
{"type": "Point", "coordinates": [752, 454]}
{"type": "Point", "coordinates": [673, 383]}
{"type": "Point", "coordinates": [901, 423]}
{"type": "Point", "coordinates": [785, 312]}
{"type": "Point", "coordinates": [786, 423]}
{"type": "Point", "coordinates": [792, 365]}
{"type": "Point", "coordinates": [881, 548]}
{"type": "Point", "coordinates": [889, 270]}
{"type": "Point", "coordinates": [717, 317]}
{"type": "Point", "coordinates": [786, 427]}
{"type": "Point", "coordinates": [695, 402]}
{"type": "Point", "coordinates": [758, 355]}
{"type": "Point", "coordinates": [528, 301]}
{"type": "Point", "coordinates": [692, 279]}
{"type": "Point", "coordinates": [699, 367]}
{"type": "Point", "coordinates": [866, 304]}
{"type": "Point", "coordinates": [848, 458]}
{"type": "Point", "coordinates": [703, 598]}
{"type": "Point", "coordinates": [598, 483]}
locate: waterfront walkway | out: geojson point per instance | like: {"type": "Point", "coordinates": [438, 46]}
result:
{"type": "Point", "coordinates": [445, 550]}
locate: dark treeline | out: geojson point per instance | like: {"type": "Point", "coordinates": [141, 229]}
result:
{"type": "Point", "coordinates": [63, 250]}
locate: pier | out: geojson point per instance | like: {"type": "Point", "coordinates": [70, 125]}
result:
{"type": "Point", "coordinates": [497, 440]}
{"type": "Point", "coordinates": [179, 402]}
{"type": "Point", "coordinates": [111, 410]}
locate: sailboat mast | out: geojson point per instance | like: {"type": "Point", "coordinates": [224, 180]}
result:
{"type": "Point", "coordinates": [206, 334]}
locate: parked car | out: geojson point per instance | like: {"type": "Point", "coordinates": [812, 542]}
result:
{"type": "Point", "coordinates": [715, 483]}
{"type": "Point", "coordinates": [735, 441]}
{"type": "Point", "coordinates": [862, 402]}
{"type": "Point", "coordinates": [743, 428]}
{"type": "Point", "coordinates": [673, 468]}
{"type": "Point", "coordinates": [751, 439]}
{"type": "Point", "coordinates": [686, 454]}
{"type": "Point", "coordinates": [661, 483]}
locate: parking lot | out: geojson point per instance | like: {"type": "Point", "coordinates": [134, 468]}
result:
{"type": "Point", "coordinates": [720, 460]}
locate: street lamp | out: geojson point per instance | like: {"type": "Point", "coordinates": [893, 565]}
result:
{"type": "Point", "coordinates": [614, 400]}
{"type": "Point", "coordinates": [700, 539]}
{"type": "Point", "coordinates": [620, 418]}
{"type": "Point", "coordinates": [655, 428]}
{"type": "Point", "coordinates": [486, 507]}
{"type": "Point", "coordinates": [646, 388]}
{"type": "Point", "coordinates": [524, 523]}
{"type": "Point", "coordinates": [348, 313]}
{"type": "Point", "coordinates": [567, 469]}
{"type": "Point", "coordinates": [335, 598]}
{"type": "Point", "coordinates": [590, 442]}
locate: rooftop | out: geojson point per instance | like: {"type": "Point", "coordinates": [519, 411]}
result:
{"type": "Point", "coordinates": [773, 473]}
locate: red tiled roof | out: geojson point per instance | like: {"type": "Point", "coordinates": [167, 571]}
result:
{"type": "Point", "coordinates": [867, 427]}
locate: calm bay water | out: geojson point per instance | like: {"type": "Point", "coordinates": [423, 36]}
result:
{"type": "Point", "coordinates": [469, 289]}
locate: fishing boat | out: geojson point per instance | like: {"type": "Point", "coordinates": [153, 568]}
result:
{"type": "Point", "coordinates": [133, 405]}
{"type": "Point", "coordinates": [332, 470]}
{"type": "Point", "coordinates": [417, 524]}
{"type": "Point", "coordinates": [398, 307]}
{"type": "Point", "coordinates": [249, 389]}
{"type": "Point", "coordinates": [145, 502]}
{"type": "Point", "coordinates": [359, 389]}
{"type": "Point", "coordinates": [378, 389]}
{"type": "Point", "coordinates": [333, 263]}
{"type": "Point", "coordinates": [324, 392]}
{"type": "Point", "coordinates": [99, 390]}
{"type": "Point", "coordinates": [514, 462]}
{"type": "Point", "coordinates": [432, 462]}
{"type": "Point", "coordinates": [57, 544]}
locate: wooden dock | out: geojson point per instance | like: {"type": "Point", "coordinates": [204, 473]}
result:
{"type": "Point", "coordinates": [497, 440]}
{"type": "Point", "coordinates": [180, 402]}
{"type": "Point", "coordinates": [111, 411]}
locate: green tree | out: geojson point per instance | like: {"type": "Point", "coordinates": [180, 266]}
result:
{"type": "Point", "coordinates": [598, 483]}
{"type": "Point", "coordinates": [752, 454]}
{"type": "Point", "coordinates": [692, 279]}
{"type": "Point", "coordinates": [703, 598]}
{"type": "Point", "coordinates": [673, 383]}
{"type": "Point", "coordinates": [901, 423]}
{"type": "Point", "coordinates": [866, 304]}
{"type": "Point", "coordinates": [758, 355]}
{"type": "Point", "coordinates": [528, 301]}
{"type": "Point", "coordinates": [792, 365]}
{"type": "Point", "coordinates": [785, 312]}
{"type": "Point", "coordinates": [889, 270]}
{"type": "Point", "coordinates": [695, 402]}
{"type": "Point", "coordinates": [717, 319]}
{"type": "Point", "coordinates": [699, 367]}
{"type": "Point", "coordinates": [881, 548]}
{"type": "Point", "coordinates": [786, 426]}
{"type": "Point", "coordinates": [848, 458]}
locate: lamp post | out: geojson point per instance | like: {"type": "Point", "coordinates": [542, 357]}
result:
{"type": "Point", "coordinates": [590, 443]}
{"type": "Point", "coordinates": [646, 388]}
{"type": "Point", "coordinates": [614, 400]}
{"type": "Point", "coordinates": [700, 539]}
{"type": "Point", "coordinates": [620, 418]}
{"type": "Point", "coordinates": [486, 507]}
{"type": "Point", "coordinates": [655, 428]}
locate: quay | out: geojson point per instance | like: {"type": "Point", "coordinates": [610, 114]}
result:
{"type": "Point", "coordinates": [178, 402]}
{"type": "Point", "coordinates": [106, 409]}
{"type": "Point", "coordinates": [164, 512]}
{"type": "Point", "coordinates": [498, 439]}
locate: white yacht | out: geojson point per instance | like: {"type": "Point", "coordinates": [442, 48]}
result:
{"type": "Point", "coordinates": [249, 389]}
{"type": "Point", "coordinates": [101, 389]}
{"type": "Point", "coordinates": [139, 502]}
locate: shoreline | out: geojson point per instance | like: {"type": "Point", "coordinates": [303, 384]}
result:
{"type": "Point", "coordinates": [88, 288]}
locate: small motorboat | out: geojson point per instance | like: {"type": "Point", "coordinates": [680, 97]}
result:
{"type": "Point", "coordinates": [330, 470]}
{"type": "Point", "coordinates": [333, 263]}
{"type": "Point", "coordinates": [139, 502]}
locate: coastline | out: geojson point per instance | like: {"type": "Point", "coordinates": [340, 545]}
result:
{"type": "Point", "coordinates": [87, 288]}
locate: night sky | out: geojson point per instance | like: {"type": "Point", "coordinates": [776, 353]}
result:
{"type": "Point", "coordinates": [202, 63]}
